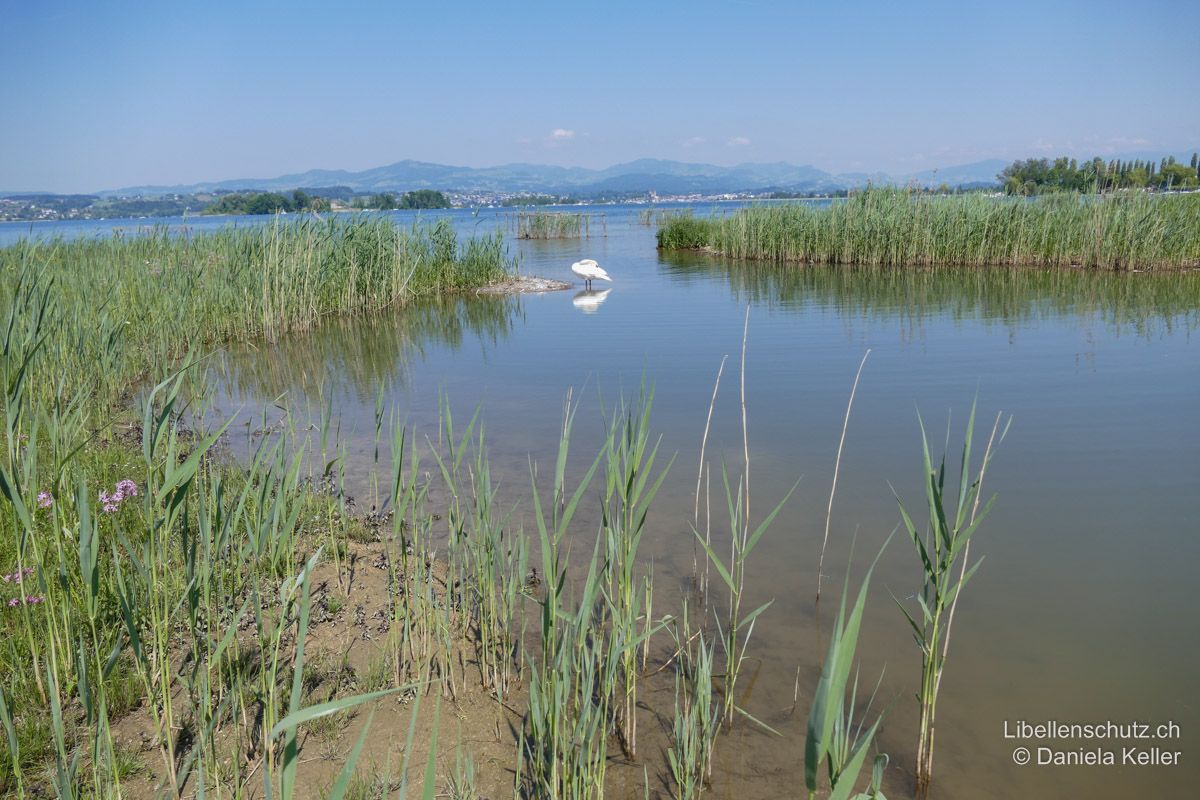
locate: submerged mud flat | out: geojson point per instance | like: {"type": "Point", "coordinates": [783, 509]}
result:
{"type": "Point", "coordinates": [524, 284]}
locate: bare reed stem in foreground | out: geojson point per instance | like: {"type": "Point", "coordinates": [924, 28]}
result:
{"type": "Point", "coordinates": [736, 629]}
{"type": "Point", "coordinates": [745, 425]}
{"type": "Point", "coordinates": [837, 464]}
{"type": "Point", "coordinates": [703, 583]}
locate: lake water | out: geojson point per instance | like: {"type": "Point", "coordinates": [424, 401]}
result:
{"type": "Point", "coordinates": [1085, 607]}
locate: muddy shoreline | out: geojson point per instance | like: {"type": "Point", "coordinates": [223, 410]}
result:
{"type": "Point", "coordinates": [523, 284]}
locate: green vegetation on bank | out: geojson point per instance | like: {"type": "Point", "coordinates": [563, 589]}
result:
{"type": "Point", "coordinates": [1039, 176]}
{"type": "Point", "coordinates": [421, 198]}
{"type": "Point", "coordinates": [147, 298]}
{"type": "Point", "coordinates": [76, 206]}
{"type": "Point", "coordinates": [893, 227]}
{"type": "Point", "coordinates": [534, 200]}
{"type": "Point", "coordinates": [300, 200]}
{"type": "Point", "coordinates": [144, 574]}
{"type": "Point", "coordinates": [267, 203]}
{"type": "Point", "coordinates": [323, 198]}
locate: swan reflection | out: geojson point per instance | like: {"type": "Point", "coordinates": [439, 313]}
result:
{"type": "Point", "coordinates": [589, 300]}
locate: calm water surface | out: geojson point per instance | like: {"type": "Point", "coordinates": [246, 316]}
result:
{"type": "Point", "coordinates": [1085, 608]}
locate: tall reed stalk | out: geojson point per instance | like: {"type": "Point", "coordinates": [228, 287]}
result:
{"type": "Point", "coordinates": [735, 627]}
{"type": "Point", "coordinates": [697, 713]}
{"type": "Point", "coordinates": [564, 743]}
{"type": "Point", "coordinates": [834, 739]}
{"type": "Point", "coordinates": [943, 546]}
{"type": "Point", "coordinates": [837, 465]}
{"type": "Point", "coordinates": [630, 488]}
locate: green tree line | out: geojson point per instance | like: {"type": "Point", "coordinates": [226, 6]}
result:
{"type": "Point", "coordinates": [1039, 175]}
{"type": "Point", "coordinates": [300, 200]}
{"type": "Point", "coordinates": [531, 200]}
{"type": "Point", "coordinates": [267, 203]}
{"type": "Point", "coordinates": [421, 198]}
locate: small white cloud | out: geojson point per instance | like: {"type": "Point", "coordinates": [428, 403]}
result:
{"type": "Point", "coordinates": [693, 141]}
{"type": "Point", "coordinates": [1115, 143]}
{"type": "Point", "coordinates": [1090, 145]}
{"type": "Point", "coordinates": [561, 134]}
{"type": "Point", "coordinates": [738, 141]}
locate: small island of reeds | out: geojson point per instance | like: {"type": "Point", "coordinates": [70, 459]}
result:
{"type": "Point", "coordinates": [895, 227]}
{"type": "Point", "coordinates": [239, 283]}
{"type": "Point", "coordinates": [553, 225]}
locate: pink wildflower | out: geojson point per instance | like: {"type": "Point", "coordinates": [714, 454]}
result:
{"type": "Point", "coordinates": [19, 575]}
{"type": "Point", "coordinates": [45, 500]}
{"type": "Point", "coordinates": [16, 601]}
{"type": "Point", "coordinates": [125, 489]}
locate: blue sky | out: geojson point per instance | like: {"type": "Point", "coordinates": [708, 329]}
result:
{"type": "Point", "coordinates": [100, 95]}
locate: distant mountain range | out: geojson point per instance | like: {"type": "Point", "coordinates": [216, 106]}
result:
{"type": "Point", "coordinates": [644, 175]}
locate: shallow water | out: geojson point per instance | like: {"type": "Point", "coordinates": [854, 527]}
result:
{"type": "Point", "coordinates": [1084, 609]}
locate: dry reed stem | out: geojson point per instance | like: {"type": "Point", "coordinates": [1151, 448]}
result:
{"type": "Point", "coordinates": [837, 464]}
{"type": "Point", "coordinates": [700, 475]}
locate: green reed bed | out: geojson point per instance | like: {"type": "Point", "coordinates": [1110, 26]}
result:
{"type": "Point", "coordinates": [553, 225]}
{"type": "Point", "coordinates": [130, 305]}
{"type": "Point", "coordinates": [894, 227]}
{"type": "Point", "coordinates": [630, 486]}
{"type": "Point", "coordinates": [943, 546]}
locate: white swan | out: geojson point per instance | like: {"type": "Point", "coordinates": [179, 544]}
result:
{"type": "Point", "coordinates": [589, 270]}
{"type": "Point", "coordinates": [588, 300]}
